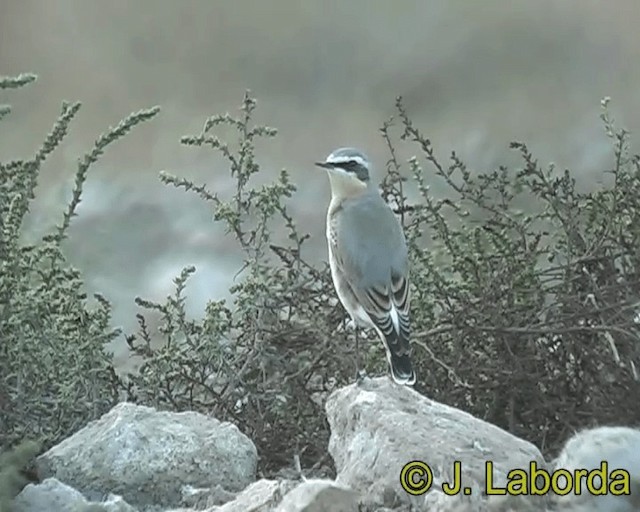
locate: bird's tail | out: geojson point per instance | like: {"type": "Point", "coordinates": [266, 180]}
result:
{"type": "Point", "coordinates": [401, 369]}
{"type": "Point", "coordinates": [398, 351]}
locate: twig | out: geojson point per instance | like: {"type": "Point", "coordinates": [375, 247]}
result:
{"type": "Point", "coordinates": [444, 365]}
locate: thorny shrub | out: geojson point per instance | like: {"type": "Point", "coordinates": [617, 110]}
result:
{"type": "Point", "coordinates": [527, 320]}
{"type": "Point", "coordinates": [54, 373]}
{"type": "Point", "coordinates": [527, 312]}
{"type": "Point", "coordinates": [266, 362]}
{"type": "Point", "coordinates": [524, 302]}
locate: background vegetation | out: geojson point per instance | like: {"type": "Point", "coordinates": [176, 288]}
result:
{"type": "Point", "coordinates": [525, 317]}
{"type": "Point", "coordinates": [55, 375]}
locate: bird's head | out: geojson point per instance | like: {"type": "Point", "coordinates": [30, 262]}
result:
{"type": "Point", "coordinates": [348, 170]}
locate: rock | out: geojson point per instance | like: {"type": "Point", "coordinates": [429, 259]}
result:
{"type": "Point", "coordinates": [319, 496]}
{"type": "Point", "coordinates": [437, 500]}
{"type": "Point", "coordinates": [261, 496]}
{"type": "Point", "coordinates": [53, 496]}
{"type": "Point", "coordinates": [620, 448]}
{"type": "Point", "coordinates": [147, 456]}
{"type": "Point", "coordinates": [201, 498]}
{"type": "Point", "coordinates": [113, 503]}
{"type": "Point", "coordinates": [188, 462]}
{"type": "Point", "coordinates": [378, 427]}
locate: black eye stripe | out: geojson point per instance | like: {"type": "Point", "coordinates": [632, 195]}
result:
{"type": "Point", "coordinates": [353, 167]}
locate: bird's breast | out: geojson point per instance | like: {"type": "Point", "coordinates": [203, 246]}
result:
{"type": "Point", "coordinates": [332, 222]}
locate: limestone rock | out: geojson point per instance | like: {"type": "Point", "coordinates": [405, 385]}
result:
{"type": "Point", "coordinates": [51, 495]}
{"type": "Point", "coordinates": [620, 448]}
{"type": "Point", "coordinates": [147, 456]}
{"type": "Point", "coordinates": [319, 496]}
{"type": "Point", "coordinates": [377, 427]}
{"type": "Point", "coordinates": [261, 496]}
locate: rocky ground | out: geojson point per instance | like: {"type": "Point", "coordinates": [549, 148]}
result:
{"type": "Point", "coordinates": [135, 458]}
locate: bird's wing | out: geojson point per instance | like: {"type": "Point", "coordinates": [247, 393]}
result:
{"type": "Point", "coordinates": [371, 256]}
{"type": "Point", "coordinates": [370, 253]}
{"type": "Point", "coordinates": [387, 305]}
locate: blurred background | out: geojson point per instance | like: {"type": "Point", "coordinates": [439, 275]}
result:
{"type": "Point", "coordinates": [474, 76]}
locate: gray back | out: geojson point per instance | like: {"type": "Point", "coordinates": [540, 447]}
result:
{"type": "Point", "coordinates": [371, 240]}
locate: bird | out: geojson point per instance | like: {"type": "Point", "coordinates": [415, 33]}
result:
{"type": "Point", "coordinates": [368, 258]}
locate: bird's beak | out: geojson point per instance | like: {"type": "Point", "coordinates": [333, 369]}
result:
{"type": "Point", "coordinates": [324, 165]}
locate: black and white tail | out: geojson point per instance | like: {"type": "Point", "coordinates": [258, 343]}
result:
{"type": "Point", "coordinates": [397, 347]}
{"type": "Point", "coordinates": [394, 328]}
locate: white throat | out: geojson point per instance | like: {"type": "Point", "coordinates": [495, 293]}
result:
{"type": "Point", "coordinates": [343, 185]}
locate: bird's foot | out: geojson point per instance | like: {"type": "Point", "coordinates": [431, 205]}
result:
{"type": "Point", "coordinates": [361, 375]}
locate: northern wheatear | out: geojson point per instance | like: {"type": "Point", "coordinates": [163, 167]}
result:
{"type": "Point", "coordinates": [368, 259]}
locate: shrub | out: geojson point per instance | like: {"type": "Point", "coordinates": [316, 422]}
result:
{"type": "Point", "coordinates": [13, 476]}
{"type": "Point", "coordinates": [267, 361]}
{"type": "Point", "coordinates": [54, 371]}
{"type": "Point", "coordinates": [524, 318]}
{"type": "Point", "coordinates": [524, 301]}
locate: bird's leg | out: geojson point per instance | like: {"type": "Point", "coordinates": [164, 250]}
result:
{"type": "Point", "coordinates": [360, 373]}
{"type": "Point", "coordinates": [355, 333]}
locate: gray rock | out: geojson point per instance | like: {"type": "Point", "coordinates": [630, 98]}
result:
{"type": "Point", "coordinates": [378, 427]}
{"type": "Point", "coordinates": [113, 503]}
{"type": "Point", "coordinates": [319, 496]}
{"type": "Point", "coordinates": [51, 495]}
{"type": "Point", "coordinates": [440, 502]}
{"type": "Point", "coordinates": [619, 447]}
{"type": "Point", "coordinates": [147, 456]}
{"type": "Point", "coordinates": [188, 462]}
{"type": "Point", "coordinates": [205, 497]}
{"type": "Point", "coordinates": [261, 496]}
